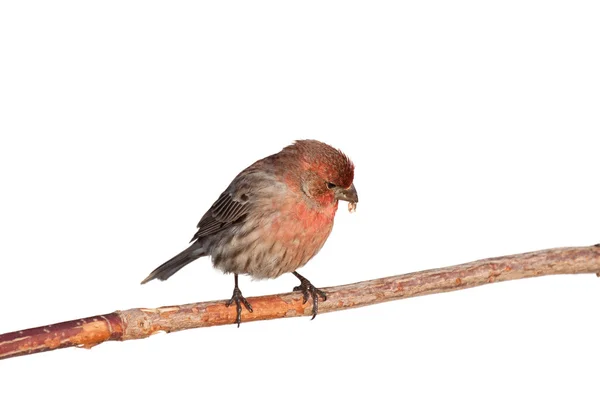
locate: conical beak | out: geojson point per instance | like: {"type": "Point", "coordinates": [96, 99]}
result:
{"type": "Point", "coordinates": [348, 195]}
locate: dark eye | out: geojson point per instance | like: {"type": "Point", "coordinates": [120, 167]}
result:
{"type": "Point", "coordinates": [330, 185]}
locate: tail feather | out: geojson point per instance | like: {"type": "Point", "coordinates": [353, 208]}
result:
{"type": "Point", "coordinates": [182, 259]}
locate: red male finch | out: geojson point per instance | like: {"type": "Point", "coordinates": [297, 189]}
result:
{"type": "Point", "coordinates": [274, 217]}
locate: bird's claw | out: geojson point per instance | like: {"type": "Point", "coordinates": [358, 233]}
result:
{"type": "Point", "coordinates": [307, 290]}
{"type": "Point", "coordinates": [239, 300]}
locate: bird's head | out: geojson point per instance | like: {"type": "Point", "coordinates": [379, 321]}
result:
{"type": "Point", "coordinates": [325, 175]}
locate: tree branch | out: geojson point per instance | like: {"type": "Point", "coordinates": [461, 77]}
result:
{"type": "Point", "coordinates": [139, 323]}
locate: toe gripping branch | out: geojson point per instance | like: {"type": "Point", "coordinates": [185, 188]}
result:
{"type": "Point", "coordinates": [239, 300]}
{"type": "Point", "coordinates": [309, 290]}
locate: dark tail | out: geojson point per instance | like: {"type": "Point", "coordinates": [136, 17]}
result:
{"type": "Point", "coordinates": [176, 263]}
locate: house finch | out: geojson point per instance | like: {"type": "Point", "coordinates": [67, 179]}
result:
{"type": "Point", "coordinates": [274, 217]}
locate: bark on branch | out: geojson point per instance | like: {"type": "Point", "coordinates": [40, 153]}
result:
{"type": "Point", "coordinates": [139, 323]}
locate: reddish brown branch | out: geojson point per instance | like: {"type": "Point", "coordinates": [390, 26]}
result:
{"type": "Point", "coordinates": [139, 323]}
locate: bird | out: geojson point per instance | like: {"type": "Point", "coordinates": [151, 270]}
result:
{"type": "Point", "coordinates": [272, 219]}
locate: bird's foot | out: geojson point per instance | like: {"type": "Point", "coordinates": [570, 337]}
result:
{"type": "Point", "coordinates": [307, 290]}
{"type": "Point", "coordinates": [238, 299]}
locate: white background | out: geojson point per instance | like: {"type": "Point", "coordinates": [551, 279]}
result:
{"type": "Point", "coordinates": [474, 127]}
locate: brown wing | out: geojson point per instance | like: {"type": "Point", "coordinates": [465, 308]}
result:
{"type": "Point", "coordinates": [225, 212]}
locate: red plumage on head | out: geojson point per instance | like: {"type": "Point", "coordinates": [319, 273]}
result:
{"type": "Point", "coordinates": [328, 162]}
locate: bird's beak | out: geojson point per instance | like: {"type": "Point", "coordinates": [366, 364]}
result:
{"type": "Point", "coordinates": [348, 195]}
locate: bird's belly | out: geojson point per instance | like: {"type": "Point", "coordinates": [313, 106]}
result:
{"type": "Point", "coordinates": [282, 245]}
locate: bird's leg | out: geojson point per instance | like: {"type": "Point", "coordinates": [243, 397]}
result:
{"type": "Point", "coordinates": [238, 299]}
{"type": "Point", "coordinates": [308, 289]}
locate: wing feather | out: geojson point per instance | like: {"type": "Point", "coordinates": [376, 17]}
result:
{"type": "Point", "coordinates": [226, 211]}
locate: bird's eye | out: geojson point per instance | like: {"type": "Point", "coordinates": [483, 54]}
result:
{"type": "Point", "coordinates": [330, 185]}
